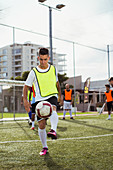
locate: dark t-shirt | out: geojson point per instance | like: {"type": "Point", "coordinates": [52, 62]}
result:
{"type": "Point", "coordinates": [63, 93]}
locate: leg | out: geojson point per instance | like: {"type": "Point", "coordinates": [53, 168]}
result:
{"type": "Point", "coordinates": [43, 136]}
{"type": "Point", "coordinates": [64, 113]}
{"type": "Point", "coordinates": [70, 112]}
{"type": "Point", "coordinates": [54, 122]}
{"type": "Point", "coordinates": [109, 106]}
{"type": "Point", "coordinates": [33, 121]}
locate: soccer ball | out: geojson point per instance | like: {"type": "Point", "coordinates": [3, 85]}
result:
{"type": "Point", "coordinates": [44, 109]}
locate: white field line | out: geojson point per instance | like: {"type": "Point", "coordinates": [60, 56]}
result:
{"type": "Point", "coordinates": [62, 139]}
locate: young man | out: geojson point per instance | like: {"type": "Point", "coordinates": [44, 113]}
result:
{"type": "Point", "coordinates": [31, 99]}
{"type": "Point", "coordinates": [67, 96]}
{"type": "Point", "coordinates": [45, 78]}
{"type": "Point", "coordinates": [109, 99]}
{"type": "Point", "coordinates": [111, 83]}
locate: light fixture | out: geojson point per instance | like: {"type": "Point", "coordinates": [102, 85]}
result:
{"type": "Point", "coordinates": [59, 6]}
{"type": "Point", "coordinates": [41, 1]}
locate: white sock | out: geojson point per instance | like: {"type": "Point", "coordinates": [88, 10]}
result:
{"type": "Point", "coordinates": [64, 113]}
{"type": "Point", "coordinates": [33, 123]}
{"type": "Point", "coordinates": [70, 112]}
{"type": "Point", "coordinates": [109, 116]}
{"type": "Point", "coordinates": [43, 136]}
{"type": "Point", "coordinates": [54, 120]}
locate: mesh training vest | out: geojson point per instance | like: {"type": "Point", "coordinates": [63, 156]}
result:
{"type": "Point", "coordinates": [109, 96]}
{"type": "Point", "coordinates": [46, 81]}
{"type": "Point", "coordinates": [68, 94]}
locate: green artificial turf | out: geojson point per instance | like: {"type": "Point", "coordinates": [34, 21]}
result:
{"type": "Point", "coordinates": [70, 152]}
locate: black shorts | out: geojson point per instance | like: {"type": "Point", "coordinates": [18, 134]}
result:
{"type": "Point", "coordinates": [109, 106]}
{"type": "Point", "coordinates": [52, 100]}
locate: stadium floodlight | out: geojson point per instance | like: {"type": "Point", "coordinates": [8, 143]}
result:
{"type": "Point", "coordinates": [59, 6]}
{"type": "Point", "coordinates": [41, 1]}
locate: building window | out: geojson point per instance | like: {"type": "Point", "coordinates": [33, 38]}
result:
{"type": "Point", "coordinates": [5, 57]}
{"type": "Point", "coordinates": [4, 69]}
{"type": "Point", "coordinates": [4, 63]}
{"type": "Point", "coordinates": [5, 75]}
{"type": "Point", "coordinates": [4, 51]}
{"type": "Point", "coordinates": [16, 51]}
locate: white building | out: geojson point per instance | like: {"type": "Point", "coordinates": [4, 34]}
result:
{"type": "Point", "coordinates": [15, 59]}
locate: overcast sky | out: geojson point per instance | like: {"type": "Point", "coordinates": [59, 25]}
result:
{"type": "Point", "coordinates": [88, 22]}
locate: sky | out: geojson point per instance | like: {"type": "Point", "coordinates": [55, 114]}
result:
{"type": "Point", "coordinates": [86, 22]}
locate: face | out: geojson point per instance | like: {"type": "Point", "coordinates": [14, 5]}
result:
{"type": "Point", "coordinates": [43, 61]}
{"type": "Point", "coordinates": [111, 83]}
{"type": "Point", "coordinates": [107, 88]}
{"type": "Point", "coordinates": [67, 86]}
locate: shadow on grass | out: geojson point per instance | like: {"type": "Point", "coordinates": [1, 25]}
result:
{"type": "Point", "coordinates": [23, 130]}
{"type": "Point", "coordinates": [84, 123]}
{"type": "Point", "coordinates": [51, 164]}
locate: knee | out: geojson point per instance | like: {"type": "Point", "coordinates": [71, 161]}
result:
{"type": "Point", "coordinates": [42, 124]}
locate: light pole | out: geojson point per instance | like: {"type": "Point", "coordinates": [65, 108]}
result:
{"type": "Point", "coordinates": [58, 7]}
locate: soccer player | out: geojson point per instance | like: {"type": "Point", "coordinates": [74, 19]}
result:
{"type": "Point", "coordinates": [67, 96]}
{"type": "Point", "coordinates": [30, 98]}
{"type": "Point", "coordinates": [47, 86]}
{"type": "Point", "coordinates": [111, 82]}
{"type": "Point", "coordinates": [109, 99]}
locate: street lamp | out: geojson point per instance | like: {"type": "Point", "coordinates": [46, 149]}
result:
{"type": "Point", "coordinates": [59, 6]}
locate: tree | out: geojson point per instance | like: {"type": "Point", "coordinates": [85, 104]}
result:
{"type": "Point", "coordinates": [24, 75]}
{"type": "Point", "coordinates": [18, 78]}
{"type": "Point", "coordinates": [62, 78]}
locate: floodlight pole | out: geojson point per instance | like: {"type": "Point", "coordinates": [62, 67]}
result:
{"type": "Point", "coordinates": [50, 34]}
{"type": "Point", "coordinates": [74, 78]}
{"type": "Point", "coordinates": [108, 61]}
{"type": "Point", "coordinates": [58, 7]}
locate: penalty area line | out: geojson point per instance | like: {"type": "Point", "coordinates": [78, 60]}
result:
{"type": "Point", "coordinates": [62, 139]}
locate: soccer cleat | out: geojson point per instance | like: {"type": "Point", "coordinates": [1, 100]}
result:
{"type": "Point", "coordinates": [44, 151]}
{"type": "Point", "coordinates": [32, 128]}
{"type": "Point", "coordinates": [52, 134]}
{"type": "Point", "coordinates": [108, 118]}
{"type": "Point", "coordinates": [30, 122]}
{"type": "Point", "coordinates": [63, 118]}
{"type": "Point", "coordinates": [71, 118]}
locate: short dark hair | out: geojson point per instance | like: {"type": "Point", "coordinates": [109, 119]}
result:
{"type": "Point", "coordinates": [107, 85]}
{"type": "Point", "coordinates": [43, 51]}
{"type": "Point", "coordinates": [110, 79]}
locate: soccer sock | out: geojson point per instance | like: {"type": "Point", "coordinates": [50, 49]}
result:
{"type": "Point", "coordinates": [30, 114]}
{"type": "Point", "coordinates": [33, 123]}
{"type": "Point", "coordinates": [54, 120]}
{"type": "Point", "coordinates": [109, 116]}
{"type": "Point", "coordinates": [70, 112]}
{"type": "Point", "coordinates": [43, 136]}
{"type": "Point", "coordinates": [64, 113]}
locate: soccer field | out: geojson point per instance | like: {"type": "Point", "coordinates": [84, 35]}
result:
{"type": "Point", "coordinates": [83, 143]}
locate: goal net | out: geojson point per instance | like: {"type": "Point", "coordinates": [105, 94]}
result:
{"type": "Point", "coordinates": [10, 99]}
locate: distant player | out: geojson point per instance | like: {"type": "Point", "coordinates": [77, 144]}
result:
{"type": "Point", "coordinates": [47, 86]}
{"type": "Point", "coordinates": [111, 83]}
{"type": "Point", "coordinates": [109, 99]}
{"type": "Point", "coordinates": [67, 97]}
{"type": "Point", "coordinates": [31, 99]}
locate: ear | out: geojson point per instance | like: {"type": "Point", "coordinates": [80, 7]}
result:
{"type": "Point", "coordinates": [38, 57]}
{"type": "Point", "coordinates": [48, 57]}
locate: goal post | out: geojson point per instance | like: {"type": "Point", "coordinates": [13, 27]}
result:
{"type": "Point", "coordinates": [10, 99]}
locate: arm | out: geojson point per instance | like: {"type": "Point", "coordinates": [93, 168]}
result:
{"type": "Point", "coordinates": [27, 105]}
{"type": "Point", "coordinates": [72, 99]}
{"type": "Point", "coordinates": [59, 91]}
{"type": "Point", "coordinates": [22, 100]}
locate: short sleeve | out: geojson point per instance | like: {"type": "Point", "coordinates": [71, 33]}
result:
{"type": "Point", "coordinates": [30, 78]}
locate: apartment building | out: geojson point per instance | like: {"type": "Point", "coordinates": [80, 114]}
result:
{"type": "Point", "coordinates": [15, 59]}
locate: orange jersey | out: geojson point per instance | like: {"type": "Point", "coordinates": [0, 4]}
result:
{"type": "Point", "coordinates": [109, 96]}
{"type": "Point", "coordinates": [68, 94]}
